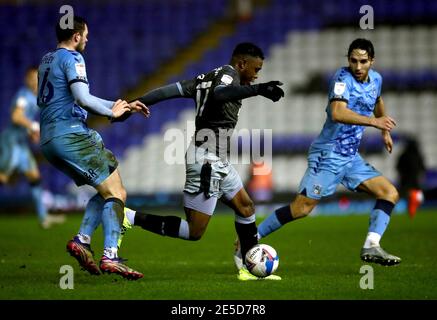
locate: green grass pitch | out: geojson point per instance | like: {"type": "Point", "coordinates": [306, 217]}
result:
{"type": "Point", "coordinates": [319, 259]}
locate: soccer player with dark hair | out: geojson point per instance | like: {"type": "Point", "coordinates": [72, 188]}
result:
{"type": "Point", "coordinates": [78, 151]}
{"type": "Point", "coordinates": [209, 174]}
{"type": "Point", "coordinates": [15, 154]}
{"type": "Point", "coordinates": [354, 95]}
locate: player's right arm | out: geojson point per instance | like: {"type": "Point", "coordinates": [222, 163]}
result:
{"type": "Point", "coordinates": [228, 89]}
{"type": "Point", "coordinates": [339, 94]}
{"type": "Point", "coordinates": [75, 70]}
{"type": "Point", "coordinates": [341, 113]}
{"type": "Point", "coordinates": [96, 105]}
{"type": "Point", "coordinates": [19, 118]}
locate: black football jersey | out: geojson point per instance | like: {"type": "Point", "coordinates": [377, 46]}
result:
{"type": "Point", "coordinates": [210, 113]}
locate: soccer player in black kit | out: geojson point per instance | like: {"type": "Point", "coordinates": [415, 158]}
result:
{"type": "Point", "coordinates": [209, 174]}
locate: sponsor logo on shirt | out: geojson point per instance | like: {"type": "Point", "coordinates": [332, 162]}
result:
{"type": "Point", "coordinates": [226, 79]}
{"type": "Point", "coordinates": [80, 69]}
{"type": "Point", "coordinates": [339, 88]}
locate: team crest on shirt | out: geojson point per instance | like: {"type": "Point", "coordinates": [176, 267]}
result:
{"type": "Point", "coordinates": [339, 88]}
{"type": "Point", "coordinates": [317, 189]}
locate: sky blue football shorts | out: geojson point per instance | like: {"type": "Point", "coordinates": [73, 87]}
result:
{"type": "Point", "coordinates": [322, 176]}
{"type": "Point", "coordinates": [17, 157]}
{"type": "Point", "coordinates": [81, 156]}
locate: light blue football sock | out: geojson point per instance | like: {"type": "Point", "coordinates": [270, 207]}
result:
{"type": "Point", "coordinates": [274, 221]}
{"type": "Point", "coordinates": [380, 216]}
{"type": "Point", "coordinates": [41, 209]}
{"type": "Point", "coordinates": [379, 221]}
{"type": "Point", "coordinates": [112, 219]}
{"type": "Point", "coordinates": [93, 215]}
{"type": "Point", "coordinates": [269, 225]}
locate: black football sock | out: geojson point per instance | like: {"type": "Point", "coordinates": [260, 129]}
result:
{"type": "Point", "coordinates": [247, 234]}
{"type": "Point", "coordinates": [162, 225]}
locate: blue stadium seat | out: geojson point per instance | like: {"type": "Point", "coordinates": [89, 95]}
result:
{"type": "Point", "coordinates": [153, 31]}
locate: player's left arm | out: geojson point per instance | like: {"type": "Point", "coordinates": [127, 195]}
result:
{"type": "Point", "coordinates": [379, 112]}
{"type": "Point", "coordinates": [19, 118]}
{"type": "Point", "coordinates": [170, 91]}
{"type": "Point", "coordinates": [179, 89]}
{"type": "Point", "coordinates": [232, 92]}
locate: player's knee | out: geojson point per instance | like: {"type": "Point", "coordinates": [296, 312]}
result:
{"type": "Point", "coordinates": [195, 236]}
{"type": "Point", "coordinates": [301, 209]}
{"type": "Point", "coordinates": [390, 193]}
{"type": "Point", "coordinates": [119, 194]}
{"type": "Point", "coordinates": [301, 213]}
{"type": "Point", "coordinates": [248, 210]}
{"type": "Point", "coordinates": [394, 194]}
{"type": "Point", "coordinates": [123, 194]}
{"type": "Point", "coordinates": [196, 233]}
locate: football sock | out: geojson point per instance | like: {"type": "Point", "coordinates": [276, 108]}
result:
{"type": "Point", "coordinates": [372, 240]}
{"type": "Point", "coordinates": [112, 218]}
{"type": "Point", "coordinates": [130, 215]}
{"type": "Point", "coordinates": [111, 253]}
{"type": "Point", "coordinates": [184, 230]}
{"type": "Point", "coordinates": [41, 209]}
{"type": "Point", "coordinates": [274, 221]}
{"type": "Point", "coordinates": [379, 220]}
{"type": "Point", "coordinates": [171, 226]}
{"type": "Point", "coordinates": [92, 217]}
{"type": "Point", "coordinates": [84, 238]}
{"type": "Point", "coordinates": [247, 233]}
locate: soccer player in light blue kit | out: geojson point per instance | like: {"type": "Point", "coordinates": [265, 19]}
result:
{"type": "Point", "coordinates": [79, 152]}
{"type": "Point", "coordinates": [354, 95]}
{"type": "Point", "coordinates": [15, 154]}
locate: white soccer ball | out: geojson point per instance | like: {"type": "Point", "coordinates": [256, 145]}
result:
{"type": "Point", "coordinates": [262, 260]}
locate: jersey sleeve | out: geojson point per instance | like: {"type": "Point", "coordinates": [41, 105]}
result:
{"type": "Point", "coordinates": [339, 87]}
{"type": "Point", "coordinates": [170, 91]}
{"type": "Point", "coordinates": [20, 101]}
{"type": "Point", "coordinates": [75, 69]}
{"type": "Point", "coordinates": [228, 76]}
{"type": "Point", "coordinates": [224, 77]}
{"type": "Point", "coordinates": [379, 88]}
{"type": "Point", "coordinates": [188, 87]}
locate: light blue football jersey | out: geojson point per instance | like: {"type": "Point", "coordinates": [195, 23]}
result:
{"type": "Point", "coordinates": [59, 112]}
{"type": "Point", "coordinates": [343, 140]}
{"type": "Point", "coordinates": [26, 99]}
